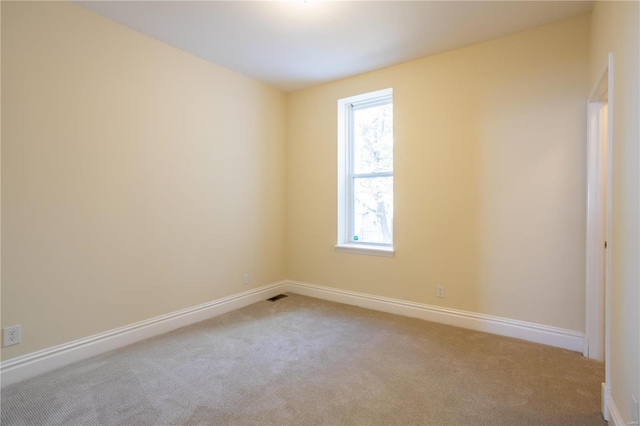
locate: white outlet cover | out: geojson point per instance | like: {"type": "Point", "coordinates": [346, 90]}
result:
{"type": "Point", "coordinates": [12, 335]}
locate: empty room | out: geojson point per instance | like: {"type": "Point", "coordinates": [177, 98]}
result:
{"type": "Point", "coordinates": [320, 212]}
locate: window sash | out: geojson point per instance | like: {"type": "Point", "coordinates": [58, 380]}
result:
{"type": "Point", "coordinates": [351, 176]}
{"type": "Point", "coordinates": [352, 213]}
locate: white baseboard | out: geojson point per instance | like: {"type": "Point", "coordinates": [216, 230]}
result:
{"type": "Point", "coordinates": [24, 367]}
{"type": "Point", "coordinates": [553, 336]}
{"type": "Point", "coordinates": [606, 395]}
{"type": "Point", "coordinates": [615, 418]}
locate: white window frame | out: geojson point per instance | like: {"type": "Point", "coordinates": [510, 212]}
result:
{"type": "Point", "coordinates": [346, 176]}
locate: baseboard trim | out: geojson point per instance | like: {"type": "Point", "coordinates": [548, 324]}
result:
{"type": "Point", "coordinates": [553, 336]}
{"type": "Point", "coordinates": [606, 395]}
{"type": "Point", "coordinates": [614, 414]}
{"type": "Point", "coordinates": [35, 363]}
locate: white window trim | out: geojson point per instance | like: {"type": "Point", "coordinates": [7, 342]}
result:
{"type": "Point", "coordinates": [362, 248]}
{"type": "Point", "coordinates": [345, 245]}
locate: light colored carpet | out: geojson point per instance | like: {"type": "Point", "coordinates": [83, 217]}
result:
{"type": "Point", "coordinates": [304, 361]}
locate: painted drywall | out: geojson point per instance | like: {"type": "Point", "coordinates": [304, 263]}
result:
{"type": "Point", "coordinates": [615, 28]}
{"type": "Point", "coordinates": [136, 179]}
{"type": "Point", "coordinates": [489, 179]}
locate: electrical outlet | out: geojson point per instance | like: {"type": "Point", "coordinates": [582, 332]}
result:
{"type": "Point", "coordinates": [245, 279]}
{"type": "Point", "coordinates": [635, 414]}
{"type": "Point", "coordinates": [440, 291]}
{"type": "Point", "coordinates": [12, 335]}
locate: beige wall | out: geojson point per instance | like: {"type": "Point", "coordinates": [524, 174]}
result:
{"type": "Point", "coordinates": [489, 179]}
{"type": "Point", "coordinates": [136, 179]}
{"type": "Point", "coordinates": [615, 28]}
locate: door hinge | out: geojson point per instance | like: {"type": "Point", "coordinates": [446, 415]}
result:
{"type": "Point", "coordinates": [605, 244]}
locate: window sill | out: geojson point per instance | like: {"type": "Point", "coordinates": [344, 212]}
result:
{"type": "Point", "coordinates": [366, 249]}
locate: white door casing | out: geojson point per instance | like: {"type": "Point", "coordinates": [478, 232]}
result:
{"type": "Point", "coordinates": [598, 258]}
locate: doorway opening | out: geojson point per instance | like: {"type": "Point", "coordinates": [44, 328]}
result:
{"type": "Point", "coordinates": [598, 255]}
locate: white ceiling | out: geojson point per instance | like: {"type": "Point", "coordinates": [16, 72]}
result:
{"type": "Point", "coordinates": [296, 44]}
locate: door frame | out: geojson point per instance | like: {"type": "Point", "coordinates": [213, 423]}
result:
{"type": "Point", "coordinates": [598, 281]}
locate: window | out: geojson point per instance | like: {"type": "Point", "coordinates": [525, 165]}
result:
{"type": "Point", "coordinates": [365, 173]}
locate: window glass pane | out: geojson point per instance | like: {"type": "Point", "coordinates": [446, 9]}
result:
{"type": "Point", "coordinates": [373, 139]}
{"type": "Point", "coordinates": [373, 209]}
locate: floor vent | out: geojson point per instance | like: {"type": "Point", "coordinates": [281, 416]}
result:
{"type": "Point", "coordinates": [274, 298]}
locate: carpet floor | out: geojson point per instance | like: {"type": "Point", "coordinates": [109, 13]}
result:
{"type": "Point", "coordinates": [304, 361]}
